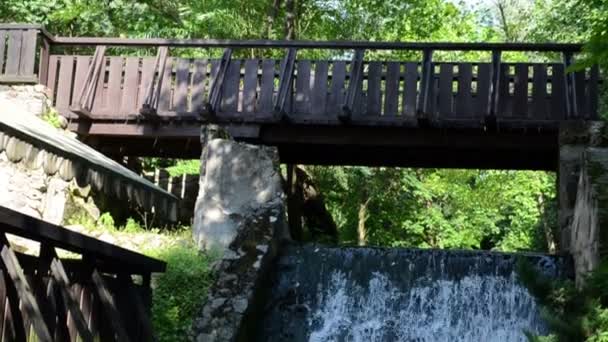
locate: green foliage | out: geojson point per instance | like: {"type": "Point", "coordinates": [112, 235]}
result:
{"type": "Point", "coordinates": [572, 314]}
{"type": "Point", "coordinates": [51, 116]}
{"type": "Point", "coordinates": [106, 222]}
{"type": "Point", "coordinates": [441, 208]}
{"type": "Point", "coordinates": [178, 292]}
{"type": "Point", "coordinates": [132, 226]}
{"type": "Point", "coordinates": [185, 167]}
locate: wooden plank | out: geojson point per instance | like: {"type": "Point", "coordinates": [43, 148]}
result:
{"type": "Point", "coordinates": [64, 86]}
{"type": "Point", "coordinates": [558, 92]}
{"type": "Point", "coordinates": [140, 309]}
{"type": "Point", "coordinates": [166, 87]}
{"type": "Point", "coordinates": [3, 35]}
{"type": "Point", "coordinates": [28, 52]}
{"type": "Point", "coordinates": [199, 79]}
{"type": "Point", "coordinates": [26, 296]}
{"type": "Point", "coordinates": [13, 53]}
{"type": "Point", "coordinates": [520, 94]}
{"type": "Point", "coordinates": [182, 81]}
{"type": "Point", "coordinates": [302, 96]}
{"type": "Point", "coordinates": [29, 227]}
{"type": "Point", "coordinates": [148, 74]}
{"type": "Point", "coordinates": [282, 105]}
{"type": "Point", "coordinates": [99, 97]}
{"type": "Point", "coordinates": [446, 91]}
{"type": "Point", "coordinates": [410, 91]}
{"type": "Point", "coordinates": [80, 75]}
{"type": "Point", "coordinates": [336, 94]}
{"type": "Point", "coordinates": [581, 98]}
{"type": "Point", "coordinates": [391, 100]}
{"type": "Point", "coordinates": [114, 86]}
{"type": "Point", "coordinates": [109, 307]}
{"type": "Point", "coordinates": [70, 301]}
{"type": "Point", "coordinates": [250, 84]}
{"type": "Point", "coordinates": [539, 92]}
{"type": "Point", "coordinates": [484, 86]}
{"type": "Point", "coordinates": [374, 95]}
{"type": "Point", "coordinates": [230, 87]}
{"type": "Point", "coordinates": [593, 91]}
{"type": "Point", "coordinates": [3, 305]}
{"type": "Point", "coordinates": [129, 96]}
{"type": "Point", "coordinates": [217, 83]}
{"type": "Point", "coordinates": [265, 101]}
{"type": "Point", "coordinates": [464, 97]}
{"type": "Point", "coordinates": [319, 90]}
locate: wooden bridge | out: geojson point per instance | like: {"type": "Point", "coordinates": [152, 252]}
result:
{"type": "Point", "coordinates": [345, 110]}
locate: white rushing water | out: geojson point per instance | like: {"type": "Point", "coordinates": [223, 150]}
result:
{"type": "Point", "coordinates": [473, 308]}
{"type": "Point", "coordinates": [324, 294]}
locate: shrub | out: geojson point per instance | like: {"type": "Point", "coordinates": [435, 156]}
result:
{"type": "Point", "coordinates": [179, 292]}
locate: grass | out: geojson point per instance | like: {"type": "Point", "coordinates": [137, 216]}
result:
{"type": "Point", "coordinates": [178, 294]}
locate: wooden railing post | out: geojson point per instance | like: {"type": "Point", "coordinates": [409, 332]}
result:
{"type": "Point", "coordinates": [494, 93]}
{"type": "Point", "coordinates": [43, 66]}
{"type": "Point", "coordinates": [354, 85]}
{"type": "Point", "coordinates": [84, 103]}
{"type": "Point", "coordinates": [570, 80]}
{"type": "Point", "coordinates": [25, 294]}
{"type": "Point", "coordinates": [72, 304]}
{"type": "Point", "coordinates": [215, 94]}
{"type": "Point", "coordinates": [109, 307]}
{"type": "Point", "coordinates": [285, 83]}
{"type": "Point", "coordinates": [150, 105]}
{"type": "Point", "coordinates": [425, 85]}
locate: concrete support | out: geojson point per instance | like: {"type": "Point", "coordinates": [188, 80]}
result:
{"type": "Point", "coordinates": [583, 193]}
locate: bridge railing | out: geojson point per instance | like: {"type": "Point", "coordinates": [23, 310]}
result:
{"type": "Point", "coordinates": [93, 295]}
{"type": "Point", "coordinates": [316, 91]}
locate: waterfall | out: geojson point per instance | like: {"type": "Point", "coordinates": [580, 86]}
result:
{"type": "Point", "coordinates": [322, 294]}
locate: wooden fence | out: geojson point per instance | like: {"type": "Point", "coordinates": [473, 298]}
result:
{"type": "Point", "coordinates": [90, 298]}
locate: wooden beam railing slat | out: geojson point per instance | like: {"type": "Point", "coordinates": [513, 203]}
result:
{"type": "Point", "coordinates": [285, 83]}
{"type": "Point", "coordinates": [570, 79]}
{"type": "Point", "coordinates": [425, 85]}
{"type": "Point", "coordinates": [61, 278]}
{"type": "Point", "coordinates": [86, 96]}
{"type": "Point", "coordinates": [109, 307]}
{"type": "Point", "coordinates": [493, 101]}
{"type": "Point", "coordinates": [25, 294]}
{"type": "Point", "coordinates": [215, 92]}
{"type": "Point", "coordinates": [150, 105]}
{"type": "Point", "coordinates": [354, 85]}
{"type": "Point", "coordinates": [14, 325]}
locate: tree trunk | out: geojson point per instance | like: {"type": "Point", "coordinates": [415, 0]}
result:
{"type": "Point", "coordinates": [290, 20]}
{"type": "Point", "coordinates": [549, 236]}
{"type": "Point", "coordinates": [272, 15]}
{"type": "Point", "coordinates": [361, 229]}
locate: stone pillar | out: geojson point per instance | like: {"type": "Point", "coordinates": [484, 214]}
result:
{"type": "Point", "coordinates": [583, 193]}
{"type": "Point", "coordinates": [240, 213]}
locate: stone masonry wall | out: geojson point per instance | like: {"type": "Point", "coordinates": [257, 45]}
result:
{"type": "Point", "coordinates": [240, 213]}
{"type": "Point", "coordinates": [583, 193]}
{"type": "Point", "coordinates": [27, 186]}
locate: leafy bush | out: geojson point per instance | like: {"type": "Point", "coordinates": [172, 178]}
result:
{"type": "Point", "coordinates": [132, 226]}
{"type": "Point", "coordinates": [178, 292]}
{"type": "Point", "coordinates": [572, 314]}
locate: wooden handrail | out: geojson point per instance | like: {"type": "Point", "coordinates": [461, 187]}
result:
{"type": "Point", "coordinates": [304, 44]}
{"type": "Point", "coordinates": [28, 227]}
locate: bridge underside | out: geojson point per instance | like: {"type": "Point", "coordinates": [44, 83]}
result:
{"type": "Point", "coordinates": [347, 145]}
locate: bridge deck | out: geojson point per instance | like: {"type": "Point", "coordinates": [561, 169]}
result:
{"type": "Point", "coordinates": [346, 110]}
